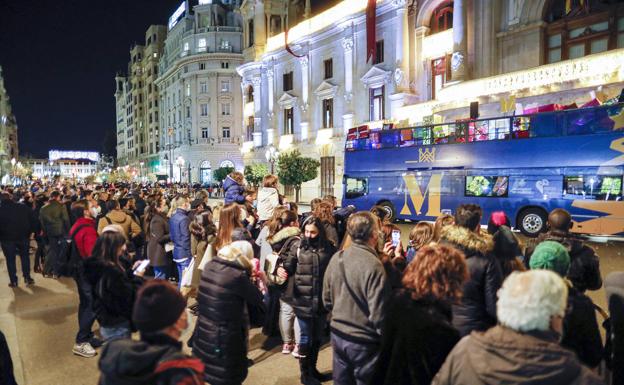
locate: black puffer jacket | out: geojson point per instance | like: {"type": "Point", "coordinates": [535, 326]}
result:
{"type": "Point", "coordinates": [286, 242]}
{"type": "Point", "coordinates": [307, 293]}
{"type": "Point", "coordinates": [584, 270]}
{"type": "Point", "coordinates": [220, 339]}
{"type": "Point", "coordinates": [114, 291]}
{"type": "Point", "coordinates": [580, 329]}
{"type": "Point", "coordinates": [477, 309]}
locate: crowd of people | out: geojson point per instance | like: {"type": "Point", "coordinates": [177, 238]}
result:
{"type": "Point", "coordinates": [455, 305]}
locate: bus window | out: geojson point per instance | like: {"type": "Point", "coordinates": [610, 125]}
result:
{"type": "Point", "coordinates": [487, 186]}
{"type": "Point", "coordinates": [600, 187]}
{"type": "Point", "coordinates": [355, 187]}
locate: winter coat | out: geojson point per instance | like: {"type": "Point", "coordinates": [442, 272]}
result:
{"type": "Point", "coordinates": [114, 291]}
{"type": "Point", "coordinates": [16, 221]}
{"type": "Point", "coordinates": [331, 233]}
{"type": "Point", "coordinates": [580, 329]}
{"type": "Point", "coordinates": [584, 270]}
{"type": "Point", "coordinates": [180, 235]}
{"type": "Point", "coordinates": [220, 339]}
{"type": "Point", "coordinates": [477, 309]}
{"type": "Point", "coordinates": [263, 243]}
{"type": "Point", "coordinates": [233, 191]}
{"type": "Point", "coordinates": [85, 238]}
{"type": "Point", "coordinates": [286, 242]}
{"type": "Point", "coordinates": [356, 319]}
{"type": "Point", "coordinates": [117, 217]}
{"type": "Point", "coordinates": [155, 360]}
{"type": "Point", "coordinates": [54, 219]}
{"type": "Point", "coordinates": [268, 200]}
{"type": "Point", "coordinates": [156, 239]}
{"type": "Point", "coordinates": [503, 356]}
{"type": "Point", "coordinates": [311, 264]}
{"type": "Point", "coordinates": [417, 336]}
{"type": "Point", "coordinates": [507, 251]}
{"type": "Point", "coordinates": [614, 352]}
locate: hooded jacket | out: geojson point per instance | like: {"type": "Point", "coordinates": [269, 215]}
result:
{"type": "Point", "coordinates": [477, 308]}
{"type": "Point", "coordinates": [584, 270]}
{"type": "Point", "coordinates": [156, 360]}
{"type": "Point", "coordinates": [268, 200]}
{"type": "Point", "coordinates": [156, 239]}
{"type": "Point", "coordinates": [286, 243]}
{"type": "Point", "coordinates": [180, 235]}
{"type": "Point", "coordinates": [232, 191]}
{"type": "Point", "coordinates": [504, 356]}
{"type": "Point", "coordinates": [118, 217]}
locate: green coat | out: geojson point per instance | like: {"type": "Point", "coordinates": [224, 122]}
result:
{"type": "Point", "coordinates": [54, 219]}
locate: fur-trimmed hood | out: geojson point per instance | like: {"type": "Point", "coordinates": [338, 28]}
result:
{"type": "Point", "coordinates": [468, 241]}
{"type": "Point", "coordinates": [284, 234]}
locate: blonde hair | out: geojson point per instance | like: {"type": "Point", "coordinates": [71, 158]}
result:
{"type": "Point", "coordinates": [421, 235]}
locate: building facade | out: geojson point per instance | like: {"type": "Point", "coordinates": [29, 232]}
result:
{"type": "Point", "coordinates": [8, 130]}
{"type": "Point", "coordinates": [434, 58]}
{"type": "Point", "coordinates": [136, 99]}
{"type": "Point", "coordinates": [200, 98]}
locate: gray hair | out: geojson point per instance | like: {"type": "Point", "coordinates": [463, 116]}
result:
{"type": "Point", "coordinates": [361, 226]}
{"type": "Point", "coordinates": [527, 300]}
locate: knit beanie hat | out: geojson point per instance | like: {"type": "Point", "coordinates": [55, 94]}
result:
{"type": "Point", "coordinates": [158, 305]}
{"type": "Point", "coordinates": [550, 255]}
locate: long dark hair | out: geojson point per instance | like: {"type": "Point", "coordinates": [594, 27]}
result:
{"type": "Point", "coordinates": [281, 222]}
{"type": "Point", "coordinates": [107, 247]}
{"type": "Point", "coordinates": [323, 242]}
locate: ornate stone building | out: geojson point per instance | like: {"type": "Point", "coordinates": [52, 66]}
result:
{"type": "Point", "coordinates": [8, 129]}
{"type": "Point", "coordinates": [200, 102]}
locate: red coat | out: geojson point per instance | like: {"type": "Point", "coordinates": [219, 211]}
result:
{"type": "Point", "coordinates": [86, 237]}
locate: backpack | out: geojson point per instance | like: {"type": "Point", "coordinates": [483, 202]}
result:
{"type": "Point", "coordinates": [272, 262]}
{"type": "Point", "coordinates": [70, 256]}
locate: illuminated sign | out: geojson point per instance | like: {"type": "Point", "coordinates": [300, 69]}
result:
{"type": "Point", "coordinates": [58, 154]}
{"type": "Point", "coordinates": [173, 20]}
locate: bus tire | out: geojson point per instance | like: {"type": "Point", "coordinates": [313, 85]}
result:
{"type": "Point", "coordinates": [532, 221]}
{"type": "Point", "coordinates": [389, 207]}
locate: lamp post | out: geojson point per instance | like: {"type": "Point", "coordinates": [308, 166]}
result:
{"type": "Point", "coordinates": [141, 171]}
{"type": "Point", "coordinates": [271, 156]}
{"type": "Point", "coordinates": [180, 163]}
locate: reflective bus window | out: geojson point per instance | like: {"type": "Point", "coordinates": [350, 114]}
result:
{"type": "Point", "coordinates": [356, 187]}
{"type": "Point", "coordinates": [487, 186]}
{"type": "Point", "coordinates": [598, 187]}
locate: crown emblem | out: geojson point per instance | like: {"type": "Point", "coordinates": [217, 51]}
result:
{"type": "Point", "coordinates": [426, 155]}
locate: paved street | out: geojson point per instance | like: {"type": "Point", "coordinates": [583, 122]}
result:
{"type": "Point", "coordinates": [40, 324]}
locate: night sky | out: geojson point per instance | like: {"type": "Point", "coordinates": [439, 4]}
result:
{"type": "Point", "coordinates": [59, 59]}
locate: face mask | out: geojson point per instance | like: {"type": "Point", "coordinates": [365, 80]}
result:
{"type": "Point", "coordinates": [254, 204]}
{"type": "Point", "coordinates": [95, 211]}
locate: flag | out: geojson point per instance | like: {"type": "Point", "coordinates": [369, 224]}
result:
{"type": "Point", "coordinates": [288, 47]}
{"type": "Point", "coordinates": [371, 35]}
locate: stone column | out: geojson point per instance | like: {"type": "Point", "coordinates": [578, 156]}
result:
{"type": "Point", "coordinates": [259, 24]}
{"type": "Point", "coordinates": [347, 123]}
{"type": "Point", "coordinates": [257, 95]}
{"type": "Point", "coordinates": [347, 45]}
{"type": "Point", "coordinates": [305, 75]}
{"type": "Point", "coordinates": [459, 66]}
{"type": "Point", "coordinates": [270, 84]}
{"type": "Point", "coordinates": [421, 77]}
{"type": "Point", "coordinates": [401, 73]}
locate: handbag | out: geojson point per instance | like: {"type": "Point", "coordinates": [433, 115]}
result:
{"type": "Point", "coordinates": [187, 274]}
{"type": "Point", "coordinates": [271, 263]}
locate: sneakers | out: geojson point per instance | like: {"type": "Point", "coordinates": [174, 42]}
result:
{"type": "Point", "coordinates": [84, 350]}
{"type": "Point", "coordinates": [297, 353]}
{"type": "Point", "coordinates": [96, 342]}
{"type": "Point", "coordinates": [288, 348]}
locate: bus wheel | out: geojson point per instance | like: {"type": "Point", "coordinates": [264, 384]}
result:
{"type": "Point", "coordinates": [389, 207]}
{"type": "Point", "coordinates": [531, 222]}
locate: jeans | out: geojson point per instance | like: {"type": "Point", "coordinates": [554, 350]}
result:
{"type": "Point", "coordinates": [181, 266]}
{"type": "Point", "coordinates": [311, 331]}
{"type": "Point", "coordinates": [52, 262]}
{"type": "Point", "coordinates": [86, 316]}
{"type": "Point", "coordinates": [10, 250]}
{"type": "Point", "coordinates": [115, 332]}
{"type": "Point", "coordinates": [353, 362]}
{"type": "Point", "coordinates": [160, 272]}
{"type": "Point", "coordinates": [286, 322]}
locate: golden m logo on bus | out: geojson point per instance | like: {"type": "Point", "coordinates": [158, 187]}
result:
{"type": "Point", "coordinates": [417, 196]}
{"type": "Point", "coordinates": [426, 155]}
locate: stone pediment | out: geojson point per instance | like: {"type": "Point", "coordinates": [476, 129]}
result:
{"type": "Point", "coordinates": [326, 90]}
{"type": "Point", "coordinates": [287, 101]}
{"type": "Point", "coordinates": [376, 77]}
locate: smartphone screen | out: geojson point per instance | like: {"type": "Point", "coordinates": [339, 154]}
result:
{"type": "Point", "coordinates": [396, 237]}
{"type": "Point", "coordinates": [142, 266]}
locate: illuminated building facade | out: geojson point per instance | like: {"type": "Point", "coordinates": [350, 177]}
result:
{"type": "Point", "coordinates": [437, 57]}
{"type": "Point", "coordinates": [8, 130]}
{"type": "Point", "coordinates": [200, 101]}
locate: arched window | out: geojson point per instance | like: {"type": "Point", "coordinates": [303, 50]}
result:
{"type": "Point", "coordinates": [442, 17]}
{"type": "Point", "coordinates": [577, 28]}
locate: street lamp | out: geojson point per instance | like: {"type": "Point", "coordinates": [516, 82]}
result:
{"type": "Point", "coordinates": [180, 164]}
{"type": "Point", "coordinates": [271, 156]}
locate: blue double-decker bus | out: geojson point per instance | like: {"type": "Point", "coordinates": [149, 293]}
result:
{"type": "Point", "coordinates": [523, 165]}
